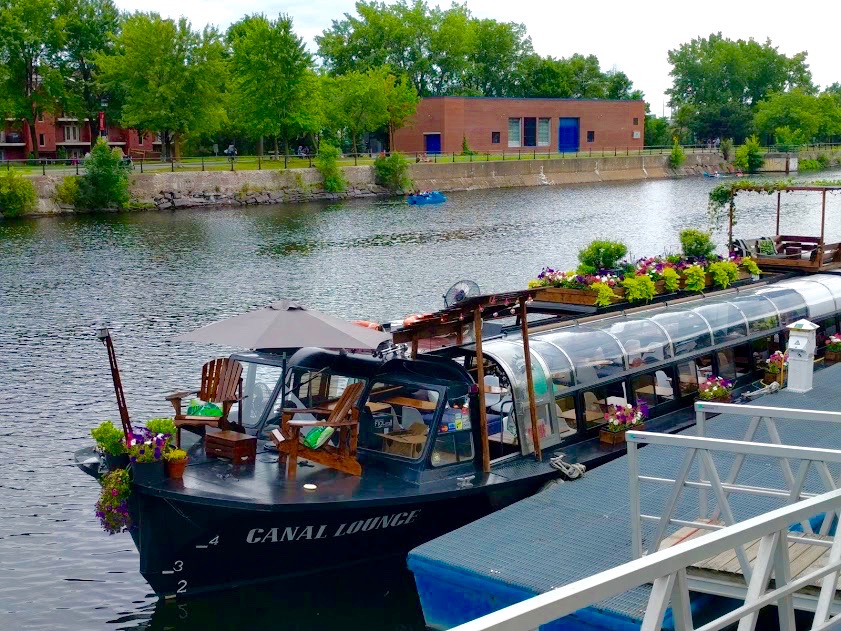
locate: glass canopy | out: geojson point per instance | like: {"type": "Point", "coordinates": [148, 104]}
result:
{"type": "Point", "coordinates": [584, 354]}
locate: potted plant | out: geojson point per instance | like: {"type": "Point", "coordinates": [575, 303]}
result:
{"type": "Point", "coordinates": [146, 452]}
{"type": "Point", "coordinates": [833, 349]}
{"type": "Point", "coordinates": [176, 461]}
{"type": "Point", "coordinates": [621, 418]}
{"type": "Point", "coordinates": [716, 389]}
{"type": "Point", "coordinates": [111, 444]}
{"type": "Point", "coordinates": [112, 506]}
{"type": "Point", "coordinates": [775, 367]}
{"type": "Point", "coordinates": [579, 289]}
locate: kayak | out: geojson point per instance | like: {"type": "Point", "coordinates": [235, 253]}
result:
{"type": "Point", "coordinates": [434, 197]}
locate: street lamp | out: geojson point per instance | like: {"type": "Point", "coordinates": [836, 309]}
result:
{"type": "Point", "coordinates": [103, 132]}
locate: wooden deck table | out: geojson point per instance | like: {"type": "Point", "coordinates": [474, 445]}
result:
{"type": "Point", "coordinates": [426, 406]}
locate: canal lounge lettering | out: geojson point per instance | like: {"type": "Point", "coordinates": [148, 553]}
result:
{"type": "Point", "coordinates": [297, 533]}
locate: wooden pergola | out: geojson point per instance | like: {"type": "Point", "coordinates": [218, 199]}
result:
{"type": "Point", "coordinates": [790, 248]}
{"type": "Point", "coordinates": [472, 312]}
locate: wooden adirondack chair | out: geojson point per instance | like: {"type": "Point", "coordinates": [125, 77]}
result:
{"type": "Point", "coordinates": [342, 415]}
{"type": "Point", "coordinates": [221, 383]}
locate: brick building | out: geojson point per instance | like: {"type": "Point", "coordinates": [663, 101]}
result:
{"type": "Point", "coordinates": [508, 124]}
{"type": "Point", "coordinates": [70, 133]}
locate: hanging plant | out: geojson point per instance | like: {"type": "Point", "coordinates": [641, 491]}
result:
{"type": "Point", "coordinates": [112, 507]}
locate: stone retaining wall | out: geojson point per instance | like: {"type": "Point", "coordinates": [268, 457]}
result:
{"type": "Point", "coordinates": [189, 189]}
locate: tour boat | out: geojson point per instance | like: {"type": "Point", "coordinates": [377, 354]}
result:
{"type": "Point", "coordinates": [445, 436]}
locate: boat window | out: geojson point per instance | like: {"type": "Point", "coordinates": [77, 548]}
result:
{"type": "Point", "coordinates": [744, 360]}
{"type": "Point", "coordinates": [397, 418]}
{"type": "Point", "coordinates": [597, 400]}
{"type": "Point", "coordinates": [687, 330]}
{"type": "Point", "coordinates": [653, 388]}
{"type": "Point", "coordinates": [687, 374]}
{"type": "Point", "coordinates": [818, 297]}
{"type": "Point", "coordinates": [565, 407]}
{"type": "Point", "coordinates": [760, 312]}
{"type": "Point", "coordinates": [258, 384]}
{"type": "Point", "coordinates": [560, 368]}
{"type": "Point", "coordinates": [726, 363]}
{"type": "Point", "coordinates": [452, 448]}
{"type": "Point", "coordinates": [833, 283]}
{"type": "Point", "coordinates": [703, 368]}
{"type": "Point", "coordinates": [644, 342]}
{"type": "Point", "coordinates": [827, 328]}
{"type": "Point", "coordinates": [725, 320]}
{"type": "Point", "coordinates": [594, 354]}
{"type": "Point", "coordinates": [788, 302]}
{"type": "Point", "coordinates": [501, 412]}
{"type": "Point", "coordinates": [761, 349]}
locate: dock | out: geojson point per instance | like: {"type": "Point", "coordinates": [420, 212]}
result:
{"type": "Point", "coordinates": [573, 530]}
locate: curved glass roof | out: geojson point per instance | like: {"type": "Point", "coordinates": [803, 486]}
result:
{"type": "Point", "coordinates": [584, 354]}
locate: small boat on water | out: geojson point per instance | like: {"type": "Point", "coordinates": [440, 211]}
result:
{"type": "Point", "coordinates": [716, 174]}
{"type": "Point", "coordinates": [442, 438]}
{"type": "Point", "coordinates": [427, 197]}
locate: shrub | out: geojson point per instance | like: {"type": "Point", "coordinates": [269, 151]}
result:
{"type": "Point", "coordinates": [30, 159]}
{"type": "Point", "coordinates": [604, 294]}
{"type": "Point", "coordinates": [671, 279]}
{"type": "Point", "coordinates": [326, 163]}
{"type": "Point", "coordinates": [724, 273]}
{"type": "Point", "coordinates": [17, 195]}
{"type": "Point", "coordinates": [696, 278]}
{"type": "Point", "coordinates": [639, 288]}
{"type": "Point", "coordinates": [750, 266]}
{"type": "Point", "coordinates": [749, 156]}
{"type": "Point", "coordinates": [67, 192]}
{"type": "Point", "coordinates": [465, 148]}
{"type": "Point", "coordinates": [105, 182]}
{"type": "Point", "coordinates": [726, 148]}
{"type": "Point", "coordinates": [600, 255]}
{"type": "Point", "coordinates": [823, 160]}
{"type": "Point", "coordinates": [174, 455]}
{"type": "Point", "coordinates": [392, 171]}
{"type": "Point", "coordinates": [696, 243]}
{"type": "Point", "coordinates": [807, 164]}
{"type": "Point", "coordinates": [677, 157]}
{"type": "Point", "coordinates": [109, 439]}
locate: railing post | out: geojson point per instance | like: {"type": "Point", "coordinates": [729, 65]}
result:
{"type": "Point", "coordinates": [172, 164]}
{"type": "Point", "coordinates": [259, 164]}
{"type": "Point", "coordinates": [435, 158]}
{"type": "Point", "coordinates": [454, 157]}
{"type": "Point", "coordinates": [77, 167]}
{"type": "Point", "coordinates": [310, 159]}
{"type": "Point", "coordinates": [634, 499]}
{"type": "Point", "coordinates": [519, 154]}
{"type": "Point", "coordinates": [232, 163]}
{"type": "Point", "coordinates": [355, 156]}
{"type": "Point", "coordinates": [141, 165]}
{"type": "Point", "coordinates": [202, 163]}
{"type": "Point", "coordinates": [534, 156]}
{"type": "Point", "coordinates": [701, 430]}
{"type": "Point", "coordinates": [43, 167]}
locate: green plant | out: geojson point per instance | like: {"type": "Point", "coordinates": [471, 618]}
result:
{"type": "Point", "coordinates": [161, 426]}
{"type": "Point", "coordinates": [112, 506]}
{"type": "Point", "coordinates": [726, 147]}
{"type": "Point", "coordinates": [671, 279]}
{"type": "Point", "coordinates": [696, 243]}
{"type": "Point", "coordinates": [604, 294]}
{"type": "Point", "coordinates": [723, 273]}
{"type": "Point", "coordinates": [465, 148]}
{"type": "Point", "coordinates": [31, 160]}
{"type": "Point", "coordinates": [823, 160]}
{"type": "Point", "coordinates": [392, 171]}
{"type": "Point", "coordinates": [67, 191]}
{"type": "Point", "coordinates": [61, 153]}
{"type": "Point", "coordinates": [109, 439]}
{"type": "Point", "coordinates": [677, 157]}
{"type": "Point", "coordinates": [639, 288]}
{"type": "Point", "coordinates": [750, 266]}
{"type": "Point", "coordinates": [105, 182]}
{"type": "Point", "coordinates": [175, 455]}
{"type": "Point", "coordinates": [696, 278]}
{"type": "Point", "coordinates": [749, 155]}
{"type": "Point", "coordinates": [326, 163]}
{"type": "Point", "coordinates": [600, 255]}
{"type": "Point", "coordinates": [807, 164]}
{"type": "Point", "coordinates": [17, 195]}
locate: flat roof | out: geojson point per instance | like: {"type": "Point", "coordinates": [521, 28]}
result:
{"type": "Point", "coordinates": [534, 98]}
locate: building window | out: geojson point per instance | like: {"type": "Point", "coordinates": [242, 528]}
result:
{"type": "Point", "coordinates": [636, 121]}
{"type": "Point", "coordinates": [591, 136]}
{"type": "Point", "coordinates": [73, 132]}
{"type": "Point", "coordinates": [514, 138]}
{"type": "Point", "coordinates": [494, 137]}
{"type": "Point", "coordinates": [41, 142]}
{"type": "Point", "coordinates": [543, 133]}
{"type": "Point", "coordinates": [40, 117]}
{"type": "Point", "coordinates": [637, 135]}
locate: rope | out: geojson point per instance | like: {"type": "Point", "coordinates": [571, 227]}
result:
{"type": "Point", "coordinates": [568, 471]}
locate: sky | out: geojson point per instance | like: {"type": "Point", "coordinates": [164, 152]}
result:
{"type": "Point", "coordinates": [632, 37]}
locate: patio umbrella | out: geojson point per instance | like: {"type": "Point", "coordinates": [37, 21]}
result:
{"type": "Point", "coordinates": [285, 324]}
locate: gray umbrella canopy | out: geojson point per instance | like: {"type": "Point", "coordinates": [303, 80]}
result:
{"type": "Point", "coordinates": [286, 324]}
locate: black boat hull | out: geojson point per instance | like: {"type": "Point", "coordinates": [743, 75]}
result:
{"type": "Point", "coordinates": [188, 548]}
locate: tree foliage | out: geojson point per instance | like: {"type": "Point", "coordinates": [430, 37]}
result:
{"type": "Point", "coordinates": [718, 82]}
{"type": "Point", "coordinates": [798, 117]}
{"type": "Point", "coordinates": [749, 156]}
{"type": "Point", "coordinates": [105, 182]}
{"type": "Point", "coordinates": [17, 195]}
{"type": "Point", "coordinates": [171, 78]}
{"type": "Point", "coordinates": [357, 102]}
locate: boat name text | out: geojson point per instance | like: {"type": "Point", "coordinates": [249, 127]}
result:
{"type": "Point", "coordinates": [297, 533]}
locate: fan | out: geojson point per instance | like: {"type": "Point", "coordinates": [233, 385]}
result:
{"type": "Point", "coordinates": [460, 292]}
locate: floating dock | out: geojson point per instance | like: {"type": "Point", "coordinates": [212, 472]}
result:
{"type": "Point", "coordinates": [573, 530]}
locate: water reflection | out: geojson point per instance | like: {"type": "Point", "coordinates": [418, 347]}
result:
{"type": "Point", "coordinates": [152, 275]}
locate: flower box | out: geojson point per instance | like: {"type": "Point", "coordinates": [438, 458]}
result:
{"type": "Point", "coordinates": [771, 377]}
{"type": "Point", "coordinates": [725, 398]}
{"type": "Point", "coordinates": [608, 437]}
{"type": "Point", "coordinates": [574, 296]}
{"type": "Point", "coordinates": [832, 356]}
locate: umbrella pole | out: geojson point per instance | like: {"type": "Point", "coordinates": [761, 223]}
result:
{"type": "Point", "coordinates": [283, 385]}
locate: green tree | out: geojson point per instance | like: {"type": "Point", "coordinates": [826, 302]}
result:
{"type": "Point", "coordinates": [720, 81]}
{"type": "Point", "coordinates": [357, 103]}
{"type": "Point", "coordinates": [171, 78]}
{"type": "Point", "coordinates": [105, 182]}
{"type": "Point", "coordinates": [273, 86]}
{"type": "Point", "coordinates": [749, 156]}
{"type": "Point", "coordinates": [794, 110]}
{"type": "Point", "coordinates": [90, 27]}
{"type": "Point", "coordinates": [31, 40]}
{"type": "Point", "coordinates": [657, 132]}
{"type": "Point", "coordinates": [401, 103]}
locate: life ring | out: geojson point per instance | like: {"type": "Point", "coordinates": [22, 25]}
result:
{"type": "Point", "coordinates": [368, 324]}
{"type": "Point", "coordinates": [413, 319]}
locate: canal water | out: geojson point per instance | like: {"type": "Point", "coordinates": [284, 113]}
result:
{"type": "Point", "coordinates": [153, 275]}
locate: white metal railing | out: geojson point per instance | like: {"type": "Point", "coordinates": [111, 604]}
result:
{"type": "Point", "coordinates": [666, 569]}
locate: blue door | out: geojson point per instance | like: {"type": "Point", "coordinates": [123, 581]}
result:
{"type": "Point", "coordinates": [568, 134]}
{"type": "Point", "coordinates": [432, 143]}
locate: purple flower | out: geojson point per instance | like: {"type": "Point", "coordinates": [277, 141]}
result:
{"type": "Point", "coordinates": [157, 454]}
{"type": "Point", "coordinates": [133, 459]}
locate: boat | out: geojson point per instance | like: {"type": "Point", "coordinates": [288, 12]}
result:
{"type": "Point", "coordinates": [494, 408]}
{"type": "Point", "coordinates": [427, 197]}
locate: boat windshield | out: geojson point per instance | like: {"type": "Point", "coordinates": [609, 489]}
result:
{"type": "Point", "coordinates": [258, 385]}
